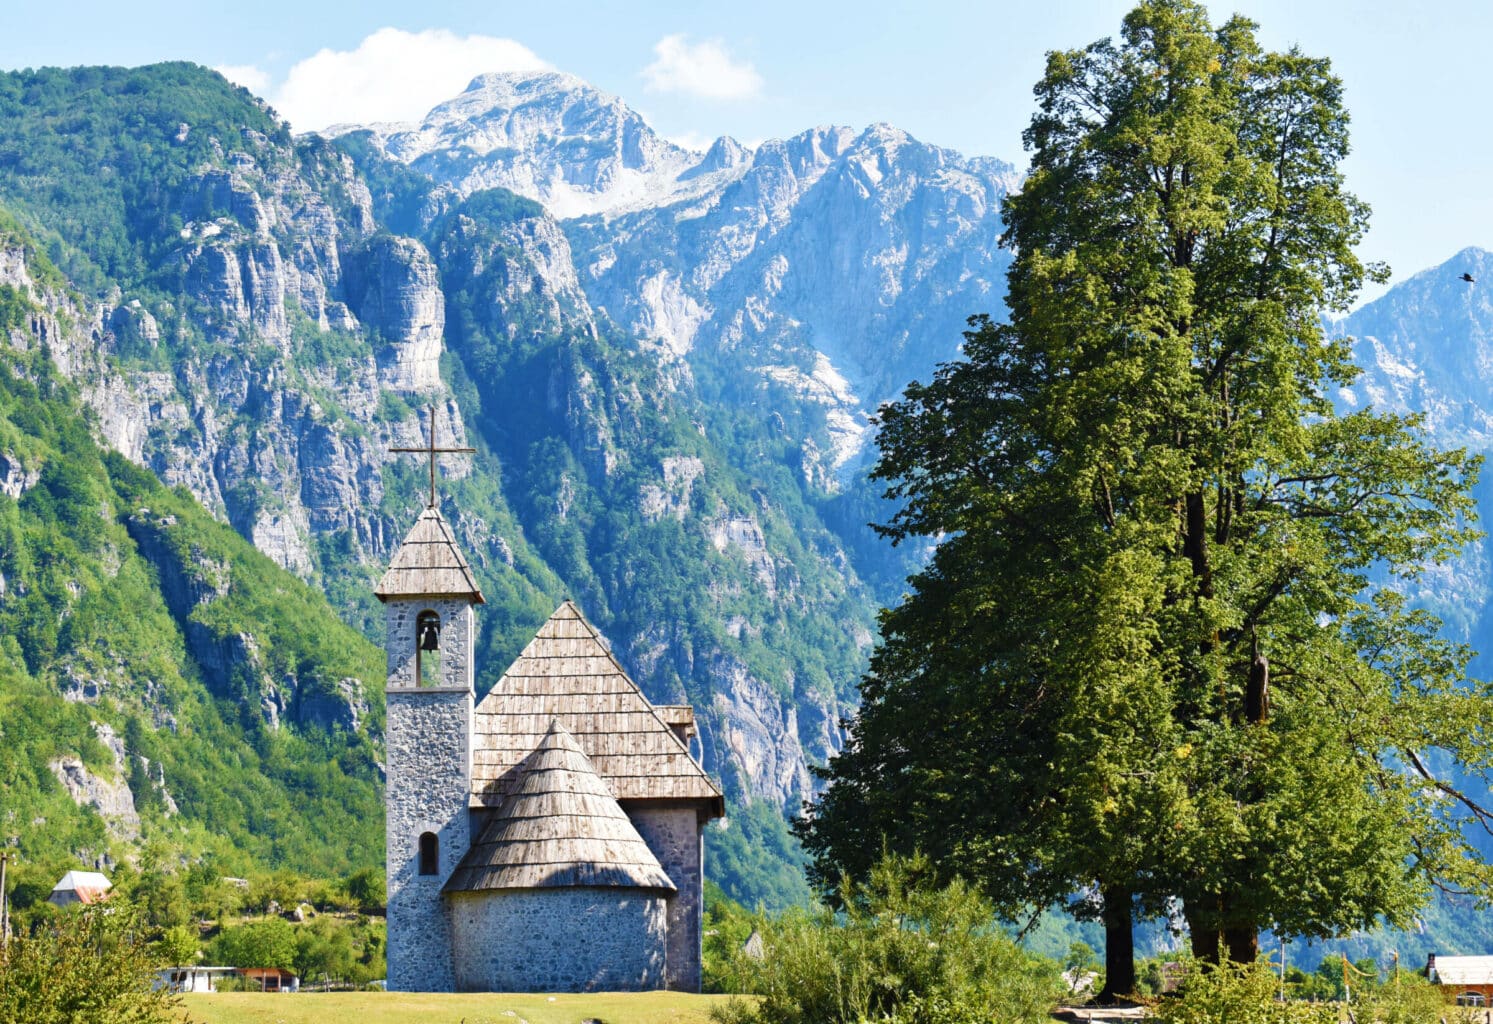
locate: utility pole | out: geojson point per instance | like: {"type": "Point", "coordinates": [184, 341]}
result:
{"type": "Point", "coordinates": [4, 905]}
{"type": "Point", "coordinates": [1282, 968]}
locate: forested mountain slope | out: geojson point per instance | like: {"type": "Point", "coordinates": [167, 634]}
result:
{"type": "Point", "coordinates": [160, 680]}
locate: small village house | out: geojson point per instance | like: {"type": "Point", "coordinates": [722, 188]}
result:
{"type": "Point", "coordinates": [270, 979]}
{"type": "Point", "coordinates": [1465, 980]}
{"type": "Point", "coordinates": [79, 887]}
{"type": "Point", "coordinates": [189, 979]}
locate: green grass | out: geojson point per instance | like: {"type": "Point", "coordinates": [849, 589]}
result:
{"type": "Point", "coordinates": [444, 1008]}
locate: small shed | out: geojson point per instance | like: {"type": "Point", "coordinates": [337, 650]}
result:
{"type": "Point", "coordinates": [1464, 980]}
{"type": "Point", "coordinates": [79, 887]}
{"type": "Point", "coordinates": [271, 979]}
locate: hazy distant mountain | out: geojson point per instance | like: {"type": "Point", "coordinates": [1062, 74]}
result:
{"type": "Point", "coordinates": [1426, 348]}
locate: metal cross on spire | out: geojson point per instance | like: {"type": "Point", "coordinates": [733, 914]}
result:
{"type": "Point", "coordinates": [431, 450]}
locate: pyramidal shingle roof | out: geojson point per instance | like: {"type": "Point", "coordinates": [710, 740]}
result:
{"type": "Point", "coordinates": [429, 564]}
{"type": "Point", "coordinates": [567, 673]}
{"type": "Point", "coordinates": [560, 827]}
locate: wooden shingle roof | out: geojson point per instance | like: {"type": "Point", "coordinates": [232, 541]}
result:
{"type": "Point", "coordinates": [567, 673]}
{"type": "Point", "coordinates": [429, 564]}
{"type": "Point", "coordinates": [560, 827]}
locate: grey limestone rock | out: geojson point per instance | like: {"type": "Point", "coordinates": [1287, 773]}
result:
{"type": "Point", "coordinates": [393, 287]}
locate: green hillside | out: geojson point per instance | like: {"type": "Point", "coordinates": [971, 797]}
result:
{"type": "Point", "coordinates": [157, 647]}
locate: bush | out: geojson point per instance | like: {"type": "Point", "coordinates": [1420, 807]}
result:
{"type": "Point", "coordinates": [902, 951]}
{"type": "Point", "coordinates": [1411, 1000]}
{"type": "Point", "coordinates": [90, 965]}
{"type": "Point", "coordinates": [1239, 994]}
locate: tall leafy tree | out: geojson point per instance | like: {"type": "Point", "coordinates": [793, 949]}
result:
{"type": "Point", "coordinates": [1158, 651]}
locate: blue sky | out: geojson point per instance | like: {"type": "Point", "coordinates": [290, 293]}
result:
{"type": "Point", "coordinates": [953, 72]}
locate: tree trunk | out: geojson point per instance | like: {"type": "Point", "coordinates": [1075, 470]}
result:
{"type": "Point", "coordinates": [1243, 943]}
{"type": "Point", "coordinates": [1257, 693]}
{"type": "Point", "coordinates": [1119, 946]}
{"type": "Point", "coordinates": [1206, 939]}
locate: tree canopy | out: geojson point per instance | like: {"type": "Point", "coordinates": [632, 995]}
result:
{"type": "Point", "coordinates": [1159, 651]}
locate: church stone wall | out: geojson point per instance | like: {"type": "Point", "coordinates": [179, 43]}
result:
{"type": "Point", "coordinates": [677, 840]}
{"type": "Point", "coordinates": [429, 770]}
{"type": "Point", "coordinates": [559, 940]}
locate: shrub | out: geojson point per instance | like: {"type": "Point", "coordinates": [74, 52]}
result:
{"type": "Point", "coordinates": [1410, 1000]}
{"type": "Point", "coordinates": [902, 951]}
{"type": "Point", "coordinates": [1239, 994]}
{"type": "Point", "coordinates": [91, 964]}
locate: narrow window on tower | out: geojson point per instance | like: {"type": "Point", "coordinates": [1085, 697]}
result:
{"type": "Point", "coordinates": [430, 854]}
{"type": "Point", "coordinates": [428, 649]}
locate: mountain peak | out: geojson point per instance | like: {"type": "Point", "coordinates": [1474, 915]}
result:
{"type": "Point", "coordinates": [580, 151]}
{"type": "Point", "coordinates": [514, 80]}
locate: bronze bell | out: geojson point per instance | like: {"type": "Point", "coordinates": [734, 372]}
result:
{"type": "Point", "coordinates": [430, 637]}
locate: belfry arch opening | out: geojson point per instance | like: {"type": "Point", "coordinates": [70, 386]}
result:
{"type": "Point", "coordinates": [428, 649]}
{"type": "Point", "coordinates": [430, 853]}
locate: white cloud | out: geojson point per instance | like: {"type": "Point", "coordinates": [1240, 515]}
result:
{"type": "Point", "coordinates": [256, 80]}
{"type": "Point", "coordinates": [393, 75]}
{"type": "Point", "coordinates": [701, 69]}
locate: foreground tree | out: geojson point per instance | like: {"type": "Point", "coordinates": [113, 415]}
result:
{"type": "Point", "coordinates": [90, 964]}
{"type": "Point", "coordinates": [1158, 651]}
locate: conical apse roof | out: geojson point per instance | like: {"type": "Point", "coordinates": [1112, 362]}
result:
{"type": "Point", "coordinates": [429, 564]}
{"type": "Point", "coordinates": [560, 827]}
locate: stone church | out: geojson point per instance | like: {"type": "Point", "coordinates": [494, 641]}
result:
{"type": "Point", "coordinates": [549, 837]}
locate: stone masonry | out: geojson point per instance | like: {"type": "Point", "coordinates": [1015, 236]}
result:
{"type": "Point", "coordinates": [428, 735]}
{"type": "Point", "coordinates": [676, 839]}
{"type": "Point", "coordinates": [559, 940]}
{"type": "Point", "coordinates": [457, 633]}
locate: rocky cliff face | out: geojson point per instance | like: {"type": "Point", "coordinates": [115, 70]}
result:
{"type": "Point", "coordinates": [289, 324]}
{"type": "Point", "coordinates": [827, 270]}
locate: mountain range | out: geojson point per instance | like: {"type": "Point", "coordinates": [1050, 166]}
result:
{"type": "Point", "coordinates": [668, 361]}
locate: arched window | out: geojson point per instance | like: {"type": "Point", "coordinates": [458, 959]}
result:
{"type": "Point", "coordinates": [1470, 999]}
{"type": "Point", "coordinates": [428, 649]}
{"type": "Point", "coordinates": [430, 854]}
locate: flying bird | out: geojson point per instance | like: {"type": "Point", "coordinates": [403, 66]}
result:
{"type": "Point", "coordinates": [1468, 278]}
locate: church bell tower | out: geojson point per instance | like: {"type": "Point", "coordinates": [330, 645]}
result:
{"type": "Point", "coordinates": [429, 595]}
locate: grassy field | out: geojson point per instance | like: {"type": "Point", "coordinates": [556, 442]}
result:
{"type": "Point", "coordinates": [432, 1008]}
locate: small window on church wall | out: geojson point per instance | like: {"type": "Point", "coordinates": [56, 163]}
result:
{"type": "Point", "coordinates": [428, 649]}
{"type": "Point", "coordinates": [430, 854]}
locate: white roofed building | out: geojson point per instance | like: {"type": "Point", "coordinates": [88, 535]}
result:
{"type": "Point", "coordinates": [1466, 980]}
{"type": "Point", "coordinates": [79, 887]}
